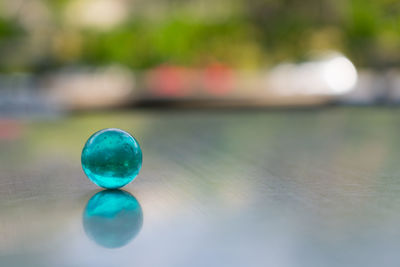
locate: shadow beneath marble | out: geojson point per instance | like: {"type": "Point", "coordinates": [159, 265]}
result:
{"type": "Point", "coordinates": [112, 218]}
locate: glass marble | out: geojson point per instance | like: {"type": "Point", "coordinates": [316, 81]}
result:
{"type": "Point", "coordinates": [111, 158]}
{"type": "Point", "coordinates": [112, 218]}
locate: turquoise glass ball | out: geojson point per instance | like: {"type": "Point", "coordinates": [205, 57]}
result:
{"type": "Point", "coordinates": [112, 218]}
{"type": "Point", "coordinates": [111, 158]}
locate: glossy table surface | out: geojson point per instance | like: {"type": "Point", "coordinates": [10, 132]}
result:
{"type": "Point", "coordinates": [217, 188]}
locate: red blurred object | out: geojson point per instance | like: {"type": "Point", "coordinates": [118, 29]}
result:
{"type": "Point", "coordinates": [10, 130]}
{"type": "Point", "coordinates": [171, 81]}
{"type": "Point", "coordinates": [218, 79]}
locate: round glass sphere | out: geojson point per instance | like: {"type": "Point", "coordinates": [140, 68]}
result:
{"type": "Point", "coordinates": [111, 158]}
{"type": "Point", "coordinates": [112, 218]}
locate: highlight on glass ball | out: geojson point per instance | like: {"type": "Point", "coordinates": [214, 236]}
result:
{"type": "Point", "coordinates": [111, 158]}
{"type": "Point", "coordinates": [112, 218]}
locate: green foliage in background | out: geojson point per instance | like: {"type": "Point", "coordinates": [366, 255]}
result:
{"type": "Point", "coordinates": [47, 34]}
{"type": "Point", "coordinates": [140, 44]}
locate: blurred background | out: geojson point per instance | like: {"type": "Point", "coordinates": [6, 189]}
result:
{"type": "Point", "coordinates": [58, 55]}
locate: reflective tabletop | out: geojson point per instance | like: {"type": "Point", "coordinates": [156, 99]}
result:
{"type": "Point", "coordinates": [317, 187]}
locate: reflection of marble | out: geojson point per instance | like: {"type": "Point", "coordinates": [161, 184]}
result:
{"type": "Point", "coordinates": [112, 218]}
